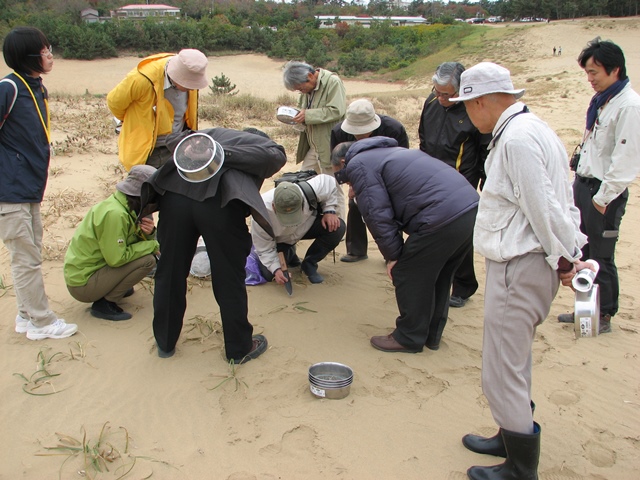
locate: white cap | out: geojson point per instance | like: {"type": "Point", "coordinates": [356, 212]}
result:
{"type": "Point", "coordinates": [483, 79]}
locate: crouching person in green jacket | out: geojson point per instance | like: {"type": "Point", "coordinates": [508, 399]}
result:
{"type": "Point", "coordinates": [111, 250]}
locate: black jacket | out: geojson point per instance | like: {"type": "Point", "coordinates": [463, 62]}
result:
{"type": "Point", "coordinates": [248, 160]}
{"type": "Point", "coordinates": [24, 149]}
{"type": "Point", "coordinates": [404, 190]}
{"type": "Point", "coordinates": [389, 127]}
{"type": "Point", "coordinates": [448, 135]}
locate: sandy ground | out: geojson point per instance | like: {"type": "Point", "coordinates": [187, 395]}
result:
{"type": "Point", "coordinates": [405, 414]}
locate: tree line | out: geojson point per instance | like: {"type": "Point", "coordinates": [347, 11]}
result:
{"type": "Point", "coordinates": [287, 31]}
{"type": "Point", "coordinates": [281, 30]}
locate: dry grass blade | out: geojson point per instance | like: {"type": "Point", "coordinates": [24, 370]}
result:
{"type": "Point", "coordinates": [199, 328]}
{"type": "Point", "coordinates": [4, 288]}
{"type": "Point", "coordinates": [108, 453]}
{"type": "Point", "coordinates": [232, 375]}
{"type": "Point", "coordinates": [41, 377]}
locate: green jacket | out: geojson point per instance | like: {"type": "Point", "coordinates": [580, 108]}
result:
{"type": "Point", "coordinates": [107, 236]}
{"type": "Point", "coordinates": [327, 108]}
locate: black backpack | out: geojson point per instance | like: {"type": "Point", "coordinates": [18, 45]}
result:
{"type": "Point", "coordinates": [300, 178]}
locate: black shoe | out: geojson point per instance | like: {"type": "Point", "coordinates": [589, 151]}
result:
{"type": "Point", "coordinates": [566, 318]}
{"type": "Point", "coordinates": [457, 302]}
{"type": "Point", "coordinates": [311, 272]}
{"type": "Point", "coordinates": [260, 345]}
{"type": "Point", "coordinates": [353, 258]}
{"type": "Point", "coordinates": [107, 310]}
{"type": "Point", "coordinates": [129, 292]}
{"type": "Point", "coordinates": [432, 346]}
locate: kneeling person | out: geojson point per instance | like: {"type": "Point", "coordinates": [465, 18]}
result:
{"type": "Point", "coordinates": [110, 251]}
{"type": "Point", "coordinates": [293, 219]}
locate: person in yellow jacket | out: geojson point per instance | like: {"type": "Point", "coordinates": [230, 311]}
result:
{"type": "Point", "coordinates": [157, 98]}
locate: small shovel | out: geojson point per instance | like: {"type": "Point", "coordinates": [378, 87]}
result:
{"type": "Point", "coordinates": [285, 272]}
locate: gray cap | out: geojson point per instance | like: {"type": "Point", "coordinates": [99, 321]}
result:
{"type": "Point", "coordinates": [132, 185]}
{"type": "Point", "coordinates": [287, 203]}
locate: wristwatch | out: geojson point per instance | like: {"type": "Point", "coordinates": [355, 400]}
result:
{"type": "Point", "coordinates": [329, 211]}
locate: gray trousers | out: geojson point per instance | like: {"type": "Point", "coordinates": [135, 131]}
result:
{"type": "Point", "coordinates": [112, 283]}
{"type": "Point", "coordinates": [518, 296]}
{"type": "Point", "coordinates": [21, 232]}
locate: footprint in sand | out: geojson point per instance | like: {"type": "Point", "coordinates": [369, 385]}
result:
{"type": "Point", "coordinates": [563, 398]}
{"type": "Point", "coordinates": [599, 454]}
{"type": "Point", "coordinates": [301, 438]}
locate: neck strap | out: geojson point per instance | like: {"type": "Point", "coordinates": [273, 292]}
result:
{"type": "Point", "coordinates": [46, 107]}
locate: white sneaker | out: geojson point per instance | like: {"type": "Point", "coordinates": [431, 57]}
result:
{"type": "Point", "coordinates": [58, 329]}
{"type": "Point", "coordinates": [22, 324]}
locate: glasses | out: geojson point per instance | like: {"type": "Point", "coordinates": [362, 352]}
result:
{"type": "Point", "coordinates": [444, 96]}
{"type": "Point", "coordinates": [47, 53]}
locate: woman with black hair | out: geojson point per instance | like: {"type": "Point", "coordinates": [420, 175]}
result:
{"type": "Point", "coordinates": [24, 165]}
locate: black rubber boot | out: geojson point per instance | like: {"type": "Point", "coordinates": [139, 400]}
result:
{"type": "Point", "coordinates": [523, 455]}
{"type": "Point", "coordinates": [488, 445]}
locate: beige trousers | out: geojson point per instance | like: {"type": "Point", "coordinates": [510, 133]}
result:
{"type": "Point", "coordinates": [21, 233]}
{"type": "Point", "coordinates": [518, 296]}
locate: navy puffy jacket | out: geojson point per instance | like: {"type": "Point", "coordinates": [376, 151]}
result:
{"type": "Point", "coordinates": [404, 190]}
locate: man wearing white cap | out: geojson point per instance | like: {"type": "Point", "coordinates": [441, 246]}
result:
{"type": "Point", "coordinates": [362, 121]}
{"type": "Point", "coordinates": [528, 230]}
{"type": "Point", "coordinates": [157, 98]}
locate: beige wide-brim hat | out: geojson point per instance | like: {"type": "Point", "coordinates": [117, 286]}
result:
{"type": "Point", "coordinates": [188, 69]}
{"type": "Point", "coordinates": [361, 118]}
{"type": "Point", "coordinates": [483, 79]}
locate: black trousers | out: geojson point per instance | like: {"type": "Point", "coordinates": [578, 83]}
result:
{"type": "Point", "coordinates": [225, 232]}
{"type": "Point", "coordinates": [599, 248]}
{"type": "Point", "coordinates": [324, 242]}
{"type": "Point", "coordinates": [465, 283]}
{"type": "Point", "coordinates": [423, 277]}
{"type": "Point", "coordinates": [356, 238]}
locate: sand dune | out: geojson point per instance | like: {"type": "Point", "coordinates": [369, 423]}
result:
{"type": "Point", "coordinates": [406, 413]}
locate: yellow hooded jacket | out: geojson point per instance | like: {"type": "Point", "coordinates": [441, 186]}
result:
{"type": "Point", "coordinates": [138, 101]}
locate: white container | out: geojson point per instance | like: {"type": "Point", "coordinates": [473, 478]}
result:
{"type": "Point", "coordinates": [587, 313]}
{"type": "Point", "coordinates": [583, 280]}
{"type": "Point", "coordinates": [286, 114]}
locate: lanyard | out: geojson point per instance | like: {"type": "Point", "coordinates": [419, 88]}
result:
{"type": "Point", "coordinates": [504, 125]}
{"type": "Point", "coordinates": [46, 106]}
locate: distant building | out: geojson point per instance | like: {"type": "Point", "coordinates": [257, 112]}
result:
{"type": "Point", "coordinates": [89, 15]}
{"type": "Point", "coordinates": [144, 11]}
{"type": "Point", "coordinates": [329, 21]}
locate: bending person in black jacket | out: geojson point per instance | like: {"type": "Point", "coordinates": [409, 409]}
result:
{"type": "Point", "coordinates": [215, 209]}
{"type": "Point", "coordinates": [400, 190]}
{"type": "Point", "coordinates": [363, 122]}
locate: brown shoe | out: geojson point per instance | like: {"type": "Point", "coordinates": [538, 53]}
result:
{"type": "Point", "coordinates": [387, 343]}
{"type": "Point", "coordinates": [605, 324]}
